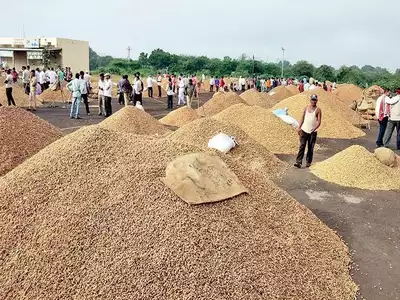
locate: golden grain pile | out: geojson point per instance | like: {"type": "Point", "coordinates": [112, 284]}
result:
{"type": "Point", "coordinates": [57, 96]}
{"type": "Point", "coordinates": [180, 117]}
{"type": "Point", "coordinates": [349, 93]}
{"type": "Point", "coordinates": [105, 226]}
{"type": "Point", "coordinates": [263, 127]}
{"type": "Point", "coordinates": [132, 120]}
{"type": "Point", "coordinates": [22, 134]}
{"type": "Point", "coordinates": [356, 167]}
{"type": "Point", "coordinates": [218, 103]}
{"type": "Point", "coordinates": [249, 153]}
{"type": "Point", "coordinates": [20, 98]}
{"type": "Point", "coordinates": [335, 115]}
{"type": "Point", "coordinates": [280, 93]}
{"type": "Point", "coordinates": [253, 97]}
{"type": "Point", "coordinates": [293, 89]}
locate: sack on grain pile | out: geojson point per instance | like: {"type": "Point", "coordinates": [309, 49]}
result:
{"type": "Point", "coordinates": [200, 178]}
{"type": "Point", "coordinates": [222, 142]}
{"type": "Point", "coordinates": [386, 156]}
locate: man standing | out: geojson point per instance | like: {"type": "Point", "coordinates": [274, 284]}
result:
{"type": "Point", "coordinates": [121, 90]}
{"type": "Point", "coordinates": [85, 91]}
{"type": "Point", "coordinates": [60, 75]}
{"type": "Point", "coordinates": [216, 83]}
{"type": "Point", "coordinates": [52, 77]}
{"type": "Point", "coordinates": [181, 96]}
{"type": "Point", "coordinates": [75, 87]}
{"type": "Point", "coordinates": [32, 91]}
{"type": "Point", "coordinates": [107, 95]}
{"type": "Point", "coordinates": [101, 95]}
{"type": "Point", "coordinates": [127, 88]}
{"type": "Point", "coordinates": [138, 89]}
{"type": "Point", "coordinates": [159, 83]}
{"type": "Point", "coordinates": [42, 80]}
{"type": "Point", "coordinates": [309, 124]}
{"type": "Point", "coordinates": [394, 120]}
{"type": "Point", "coordinates": [170, 94]}
{"type": "Point", "coordinates": [212, 81]}
{"type": "Point", "coordinates": [9, 83]}
{"type": "Point", "coordinates": [382, 113]}
{"type": "Point", "coordinates": [222, 83]}
{"type": "Point", "coordinates": [189, 92]}
{"type": "Point", "coordinates": [25, 77]}
{"type": "Point", "coordinates": [150, 86]}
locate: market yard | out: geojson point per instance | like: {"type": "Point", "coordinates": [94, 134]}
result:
{"type": "Point", "coordinates": [89, 216]}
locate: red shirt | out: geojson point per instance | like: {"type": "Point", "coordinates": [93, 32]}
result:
{"type": "Point", "coordinates": [301, 87]}
{"type": "Point", "coordinates": [221, 82]}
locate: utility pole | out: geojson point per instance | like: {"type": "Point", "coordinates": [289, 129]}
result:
{"type": "Point", "coordinates": [253, 65]}
{"type": "Point", "coordinates": [129, 52]}
{"type": "Point", "coordinates": [283, 60]}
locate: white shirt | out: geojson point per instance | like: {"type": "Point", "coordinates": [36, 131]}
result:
{"type": "Point", "coordinates": [75, 87]}
{"type": "Point", "coordinates": [312, 87]}
{"type": "Point", "coordinates": [52, 77]}
{"type": "Point", "coordinates": [159, 80]}
{"type": "Point", "coordinates": [378, 105]}
{"type": "Point", "coordinates": [137, 87]}
{"type": "Point", "coordinates": [212, 81]}
{"type": "Point", "coordinates": [307, 86]}
{"type": "Point", "coordinates": [101, 86]}
{"type": "Point", "coordinates": [394, 108]}
{"type": "Point", "coordinates": [47, 75]}
{"type": "Point", "coordinates": [108, 88]}
{"type": "Point", "coordinates": [182, 84]}
{"type": "Point", "coordinates": [9, 79]}
{"type": "Point", "coordinates": [25, 76]}
{"type": "Point", "coordinates": [42, 78]}
{"type": "Point", "coordinates": [86, 77]}
{"type": "Point", "coordinates": [150, 82]}
{"type": "Point", "coordinates": [84, 86]}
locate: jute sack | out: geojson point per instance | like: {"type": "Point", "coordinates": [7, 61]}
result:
{"type": "Point", "coordinates": [200, 178]}
{"type": "Point", "coordinates": [386, 156]}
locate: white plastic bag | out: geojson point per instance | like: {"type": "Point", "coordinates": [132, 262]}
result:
{"type": "Point", "coordinates": [139, 106]}
{"type": "Point", "coordinates": [289, 120]}
{"type": "Point", "coordinates": [222, 142]}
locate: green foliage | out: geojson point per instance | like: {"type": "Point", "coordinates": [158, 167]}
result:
{"type": "Point", "coordinates": [324, 73]}
{"type": "Point", "coordinates": [303, 67]}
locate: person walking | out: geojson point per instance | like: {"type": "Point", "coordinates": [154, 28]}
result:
{"type": "Point", "coordinates": [170, 94]}
{"type": "Point", "coordinates": [107, 95]}
{"type": "Point", "coordinates": [101, 95]}
{"type": "Point", "coordinates": [14, 75]}
{"type": "Point", "coordinates": [75, 87]}
{"type": "Point", "coordinates": [309, 124]}
{"type": "Point", "coordinates": [181, 95]}
{"type": "Point", "coordinates": [25, 78]}
{"type": "Point", "coordinates": [394, 120]}
{"type": "Point", "coordinates": [212, 81]}
{"type": "Point", "coordinates": [60, 75]}
{"type": "Point", "coordinates": [32, 91]}
{"type": "Point", "coordinates": [85, 91]}
{"type": "Point", "coordinates": [150, 82]}
{"type": "Point", "coordinates": [382, 113]}
{"type": "Point", "coordinates": [9, 84]}
{"type": "Point", "coordinates": [42, 80]}
{"type": "Point", "coordinates": [190, 92]}
{"type": "Point", "coordinates": [138, 90]}
{"type": "Point", "coordinates": [121, 91]}
{"type": "Point", "coordinates": [159, 83]}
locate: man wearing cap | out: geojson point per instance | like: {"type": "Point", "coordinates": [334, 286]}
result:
{"type": "Point", "coordinates": [394, 120]}
{"type": "Point", "coordinates": [107, 95]}
{"type": "Point", "coordinates": [309, 124]}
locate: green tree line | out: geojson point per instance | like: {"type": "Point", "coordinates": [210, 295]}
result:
{"type": "Point", "coordinates": [161, 61]}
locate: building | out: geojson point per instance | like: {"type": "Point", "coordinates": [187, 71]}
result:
{"type": "Point", "coordinates": [41, 51]}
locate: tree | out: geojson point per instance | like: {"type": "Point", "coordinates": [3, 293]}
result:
{"type": "Point", "coordinates": [303, 67]}
{"type": "Point", "coordinates": [143, 59]}
{"type": "Point", "coordinates": [324, 73]}
{"type": "Point", "coordinates": [160, 59]}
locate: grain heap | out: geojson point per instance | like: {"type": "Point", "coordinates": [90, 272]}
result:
{"type": "Point", "coordinates": [280, 93]}
{"type": "Point", "coordinates": [105, 226]}
{"type": "Point", "coordinates": [253, 97]}
{"type": "Point", "coordinates": [218, 103]}
{"type": "Point", "coordinates": [180, 117]}
{"type": "Point", "coordinates": [335, 114]}
{"type": "Point", "coordinates": [358, 168]}
{"type": "Point", "coordinates": [20, 98]}
{"type": "Point", "coordinates": [293, 89]}
{"type": "Point", "coordinates": [132, 120]}
{"type": "Point", "coordinates": [22, 134]}
{"type": "Point", "coordinates": [263, 127]}
{"type": "Point", "coordinates": [373, 92]}
{"type": "Point", "coordinates": [349, 93]}
{"type": "Point", "coordinates": [56, 96]}
{"type": "Point", "coordinates": [249, 153]}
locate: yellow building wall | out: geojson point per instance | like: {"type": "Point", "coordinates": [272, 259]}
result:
{"type": "Point", "coordinates": [75, 54]}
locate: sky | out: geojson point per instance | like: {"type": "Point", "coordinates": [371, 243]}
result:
{"type": "Point", "coordinates": [338, 32]}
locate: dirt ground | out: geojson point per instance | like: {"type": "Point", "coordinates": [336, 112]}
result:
{"type": "Point", "coordinates": [368, 221]}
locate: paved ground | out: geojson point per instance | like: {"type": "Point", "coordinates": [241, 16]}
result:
{"type": "Point", "coordinates": [368, 221]}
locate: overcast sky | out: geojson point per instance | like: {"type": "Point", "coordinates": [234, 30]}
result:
{"type": "Point", "coordinates": [351, 32]}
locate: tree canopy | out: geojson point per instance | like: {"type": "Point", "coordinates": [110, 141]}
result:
{"type": "Point", "coordinates": [162, 61]}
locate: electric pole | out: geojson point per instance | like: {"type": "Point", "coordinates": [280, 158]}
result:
{"type": "Point", "coordinates": [129, 52]}
{"type": "Point", "coordinates": [283, 60]}
{"type": "Point", "coordinates": [253, 65]}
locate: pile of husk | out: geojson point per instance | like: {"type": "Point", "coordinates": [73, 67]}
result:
{"type": "Point", "coordinates": [105, 226]}
{"type": "Point", "coordinates": [21, 99]}
{"type": "Point", "coordinates": [253, 97]}
{"type": "Point", "coordinates": [22, 134]}
{"type": "Point", "coordinates": [180, 117]}
{"type": "Point", "coordinates": [132, 120]}
{"type": "Point", "coordinates": [263, 127]}
{"type": "Point", "coordinates": [336, 122]}
{"type": "Point", "coordinates": [356, 167]}
{"type": "Point", "coordinates": [218, 103]}
{"type": "Point", "coordinates": [349, 93]}
{"type": "Point", "coordinates": [248, 152]}
{"type": "Point", "coordinates": [280, 93]}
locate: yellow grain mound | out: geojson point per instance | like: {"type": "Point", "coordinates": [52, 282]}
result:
{"type": "Point", "coordinates": [180, 117]}
{"type": "Point", "coordinates": [349, 93]}
{"type": "Point", "coordinates": [293, 89]}
{"type": "Point", "coordinates": [20, 98]}
{"type": "Point", "coordinates": [249, 153]}
{"type": "Point", "coordinates": [358, 168]}
{"type": "Point", "coordinates": [280, 93]}
{"type": "Point", "coordinates": [335, 114]}
{"type": "Point", "coordinates": [132, 120]}
{"type": "Point", "coordinates": [263, 127]}
{"type": "Point", "coordinates": [105, 226]}
{"type": "Point", "coordinates": [57, 96]}
{"type": "Point", "coordinates": [253, 97]}
{"type": "Point", "coordinates": [218, 103]}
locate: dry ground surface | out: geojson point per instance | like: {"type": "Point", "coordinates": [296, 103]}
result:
{"type": "Point", "coordinates": [368, 221]}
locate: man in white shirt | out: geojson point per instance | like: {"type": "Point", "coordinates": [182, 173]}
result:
{"type": "Point", "coordinates": [212, 81]}
{"type": "Point", "coordinates": [381, 112]}
{"type": "Point", "coordinates": [394, 120]}
{"type": "Point", "coordinates": [150, 82]}
{"type": "Point", "coordinates": [159, 83]}
{"type": "Point", "coordinates": [138, 89]}
{"type": "Point", "coordinates": [101, 95]}
{"type": "Point", "coordinates": [52, 76]}
{"type": "Point", "coordinates": [85, 91]}
{"type": "Point", "coordinates": [25, 77]}
{"type": "Point", "coordinates": [108, 95]}
{"type": "Point", "coordinates": [86, 77]}
{"type": "Point", "coordinates": [47, 73]}
{"type": "Point", "coordinates": [307, 86]}
{"type": "Point", "coordinates": [181, 96]}
{"type": "Point", "coordinates": [42, 80]}
{"type": "Point", "coordinates": [9, 82]}
{"type": "Point", "coordinates": [76, 88]}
